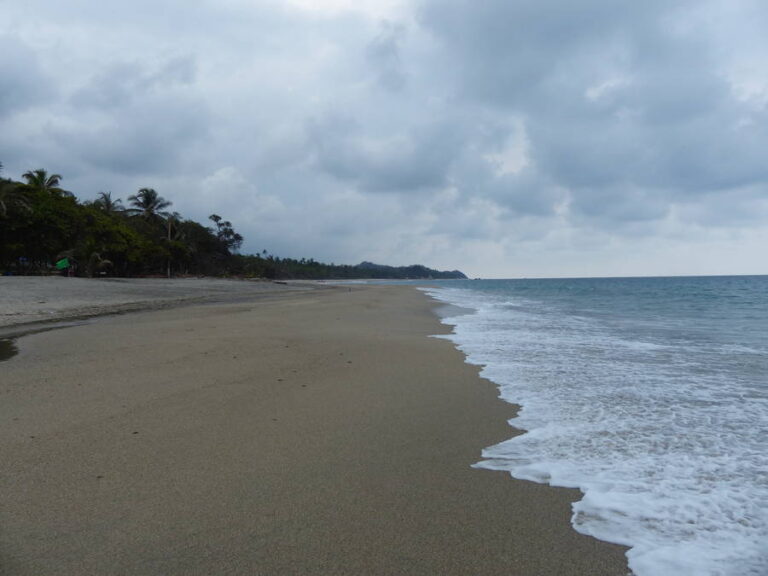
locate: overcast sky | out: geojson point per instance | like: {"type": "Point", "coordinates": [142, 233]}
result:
{"type": "Point", "coordinates": [505, 138]}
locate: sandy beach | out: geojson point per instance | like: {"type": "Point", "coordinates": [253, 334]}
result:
{"type": "Point", "coordinates": [32, 299]}
{"type": "Point", "coordinates": [318, 432]}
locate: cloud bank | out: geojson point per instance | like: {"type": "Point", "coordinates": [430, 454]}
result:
{"type": "Point", "coordinates": [525, 138]}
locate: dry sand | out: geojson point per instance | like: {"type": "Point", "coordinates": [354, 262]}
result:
{"type": "Point", "coordinates": [26, 299]}
{"type": "Point", "coordinates": [317, 433]}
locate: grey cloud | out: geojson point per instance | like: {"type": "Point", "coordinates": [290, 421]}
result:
{"type": "Point", "coordinates": [23, 84]}
{"type": "Point", "coordinates": [466, 126]}
{"type": "Point", "coordinates": [617, 206]}
{"type": "Point", "coordinates": [747, 207]}
{"type": "Point", "coordinates": [147, 18]}
{"type": "Point", "coordinates": [507, 50]}
{"type": "Point", "coordinates": [662, 126]}
{"type": "Point", "coordinates": [122, 83]}
{"type": "Point", "coordinates": [151, 137]}
{"type": "Point", "coordinates": [525, 192]}
{"type": "Point", "coordinates": [383, 53]}
{"type": "Point", "coordinates": [410, 160]}
{"type": "Point", "coordinates": [144, 118]}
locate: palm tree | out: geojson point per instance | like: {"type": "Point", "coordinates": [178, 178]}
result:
{"type": "Point", "coordinates": [148, 204]}
{"type": "Point", "coordinates": [172, 220]}
{"type": "Point", "coordinates": [12, 193]}
{"type": "Point", "coordinates": [106, 204]}
{"type": "Point", "coordinates": [40, 181]}
{"type": "Point", "coordinates": [226, 234]}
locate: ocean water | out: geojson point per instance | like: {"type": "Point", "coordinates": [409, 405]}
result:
{"type": "Point", "coordinates": [648, 394]}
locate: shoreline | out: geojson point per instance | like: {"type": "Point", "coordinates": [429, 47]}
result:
{"type": "Point", "coordinates": [318, 432]}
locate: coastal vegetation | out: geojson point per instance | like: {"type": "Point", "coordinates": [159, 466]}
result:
{"type": "Point", "coordinates": [46, 229]}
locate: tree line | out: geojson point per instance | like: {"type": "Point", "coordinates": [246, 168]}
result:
{"type": "Point", "coordinates": [42, 224]}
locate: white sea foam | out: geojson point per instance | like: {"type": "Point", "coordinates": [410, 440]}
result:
{"type": "Point", "coordinates": [665, 432]}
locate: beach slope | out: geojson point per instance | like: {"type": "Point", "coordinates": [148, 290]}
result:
{"type": "Point", "coordinates": [320, 432]}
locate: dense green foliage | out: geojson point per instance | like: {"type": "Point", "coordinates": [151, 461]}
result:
{"type": "Point", "coordinates": [41, 224]}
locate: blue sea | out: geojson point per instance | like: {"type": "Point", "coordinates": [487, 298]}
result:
{"type": "Point", "coordinates": [648, 394]}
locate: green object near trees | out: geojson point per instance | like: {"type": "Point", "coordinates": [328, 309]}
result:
{"type": "Point", "coordinates": [62, 264]}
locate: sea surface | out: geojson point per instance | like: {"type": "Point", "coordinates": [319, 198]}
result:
{"type": "Point", "coordinates": [648, 394]}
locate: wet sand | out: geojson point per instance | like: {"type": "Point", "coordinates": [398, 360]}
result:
{"type": "Point", "coordinates": [319, 432]}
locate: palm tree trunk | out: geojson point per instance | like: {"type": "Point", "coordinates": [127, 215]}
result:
{"type": "Point", "coordinates": [169, 248]}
